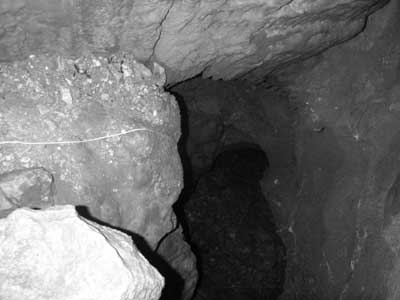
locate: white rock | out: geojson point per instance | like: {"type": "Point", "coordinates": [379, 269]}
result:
{"type": "Point", "coordinates": [66, 95]}
{"type": "Point", "coordinates": [56, 254]}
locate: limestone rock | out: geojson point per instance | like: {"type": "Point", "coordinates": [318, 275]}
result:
{"type": "Point", "coordinates": [26, 187]}
{"type": "Point", "coordinates": [104, 129]}
{"type": "Point", "coordinates": [344, 220]}
{"type": "Point", "coordinates": [55, 254]}
{"type": "Point", "coordinates": [178, 254]}
{"type": "Point", "coordinates": [223, 38]}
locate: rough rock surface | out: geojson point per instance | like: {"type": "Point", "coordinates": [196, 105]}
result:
{"type": "Point", "coordinates": [28, 187]}
{"type": "Point", "coordinates": [232, 227]}
{"type": "Point", "coordinates": [95, 132]}
{"type": "Point", "coordinates": [182, 260]}
{"type": "Point", "coordinates": [222, 38]}
{"type": "Point", "coordinates": [54, 254]}
{"type": "Point", "coordinates": [103, 128]}
{"type": "Point", "coordinates": [344, 221]}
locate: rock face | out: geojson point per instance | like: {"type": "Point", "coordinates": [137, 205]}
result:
{"type": "Point", "coordinates": [231, 224]}
{"type": "Point", "coordinates": [224, 39]}
{"type": "Point", "coordinates": [103, 129]}
{"type": "Point", "coordinates": [182, 260]}
{"type": "Point", "coordinates": [27, 187]}
{"type": "Point", "coordinates": [345, 218]}
{"type": "Point", "coordinates": [96, 132]}
{"type": "Point", "coordinates": [55, 254]}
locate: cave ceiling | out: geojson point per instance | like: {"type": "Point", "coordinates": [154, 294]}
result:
{"type": "Point", "coordinates": [222, 39]}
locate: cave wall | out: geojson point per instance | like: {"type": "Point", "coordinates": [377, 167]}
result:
{"type": "Point", "coordinates": [223, 39]}
{"type": "Point", "coordinates": [344, 220]}
{"type": "Point", "coordinates": [333, 186]}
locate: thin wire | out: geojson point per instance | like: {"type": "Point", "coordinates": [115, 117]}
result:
{"type": "Point", "coordinates": [77, 141]}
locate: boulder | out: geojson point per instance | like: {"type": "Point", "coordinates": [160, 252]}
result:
{"type": "Point", "coordinates": [55, 254]}
{"type": "Point", "coordinates": [96, 132]}
{"type": "Point", "coordinates": [105, 132]}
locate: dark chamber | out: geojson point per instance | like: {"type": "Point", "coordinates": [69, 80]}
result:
{"type": "Point", "coordinates": [232, 231]}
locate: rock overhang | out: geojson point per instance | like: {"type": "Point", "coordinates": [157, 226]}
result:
{"type": "Point", "coordinates": [220, 39]}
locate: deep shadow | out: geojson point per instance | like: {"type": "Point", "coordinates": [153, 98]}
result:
{"type": "Point", "coordinates": [242, 161]}
{"type": "Point", "coordinates": [173, 281]}
{"type": "Point", "coordinates": [188, 180]}
{"type": "Point", "coordinates": [229, 219]}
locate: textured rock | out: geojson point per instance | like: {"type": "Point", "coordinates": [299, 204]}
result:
{"type": "Point", "coordinates": [222, 38]}
{"type": "Point", "coordinates": [94, 132]}
{"type": "Point", "coordinates": [180, 257]}
{"type": "Point", "coordinates": [344, 220]}
{"type": "Point", "coordinates": [54, 254]}
{"type": "Point", "coordinates": [26, 187]}
{"type": "Point", "coordinates": [105, 131]}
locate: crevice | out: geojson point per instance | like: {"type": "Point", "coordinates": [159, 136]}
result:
{"type": "Point", "coordinates": [163, 19]}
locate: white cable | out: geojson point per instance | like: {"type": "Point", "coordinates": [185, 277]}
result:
{"type": "Point", "coordinates": [77, 141]}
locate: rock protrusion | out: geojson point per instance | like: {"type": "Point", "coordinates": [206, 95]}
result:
{"type": "Point", "coordinates": [31, 187]}
{"type": "Point", "coordinates": [56, 254]}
